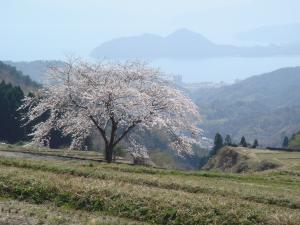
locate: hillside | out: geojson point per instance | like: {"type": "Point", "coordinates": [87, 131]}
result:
{"type": "Point", "coordinates": [11, 75]}
{"type": "Point", "coordinates": [264, 107]}
{"type": "Point", "coordinates": [37, 70]}
{"type": "Point", "coordinates": [63, 190]}
{"type": "Point", "coordinates": [238, 160]}
{"type": "Point", "coordinates": [294, 142]}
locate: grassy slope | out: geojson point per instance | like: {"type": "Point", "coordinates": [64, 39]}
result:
{"type": "Point", "coordinates": [155, 195]}
{"type": "Point", "coordinates": [14, 212]}
{"type": "Point", "coordinates": [295, 141]}
{"type": "Point", "coordinates": [238, 159]}
{"type": "Point", "coordinates": [287, 160]}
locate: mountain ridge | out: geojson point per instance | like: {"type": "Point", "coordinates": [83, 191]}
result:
{"type": "Point", "coordinates": [182, 43]}
{"type": "Point", "coordinates": [264, 107]}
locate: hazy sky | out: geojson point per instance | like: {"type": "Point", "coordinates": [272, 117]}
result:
{"type": "Point", "coordinates": [49, 29]}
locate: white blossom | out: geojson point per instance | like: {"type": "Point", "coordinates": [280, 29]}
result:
{"type": "Point", "coordinates": [115, 98]}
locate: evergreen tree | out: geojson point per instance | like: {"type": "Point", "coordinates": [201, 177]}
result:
{"type": "Point", "coordinates": [218, 144]}
{"type": "Point", "coordinates": [255, 143]}
{"type": "Point", "coordinates": [285, 142]}
{"type": "Point", "coordinates": [243, 142]}
{"type": "Point", "coordinates": [228, 141]}
{"type": "Point", "coordinates": [11, 97]}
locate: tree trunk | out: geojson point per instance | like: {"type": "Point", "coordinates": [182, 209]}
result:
{"type": "Point", "coordinates": [109, 154]}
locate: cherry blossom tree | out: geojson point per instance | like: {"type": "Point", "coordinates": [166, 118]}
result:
{"type": "Point", "coordinates": [117, 99]}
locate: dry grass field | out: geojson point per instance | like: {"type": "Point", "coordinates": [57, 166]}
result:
{"type": "Point", "coordinates": [90, 192]}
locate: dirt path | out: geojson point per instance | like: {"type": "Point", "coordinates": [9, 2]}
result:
{"type": "Point", "coordinates": [43, 156]}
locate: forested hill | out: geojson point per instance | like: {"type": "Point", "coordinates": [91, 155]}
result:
{"type": "Point", "coordinates": [37, 70]}
{"type": "Point", "coordinates": [10, 74]}
{"type": "Point", "coordinates": [266, 107]}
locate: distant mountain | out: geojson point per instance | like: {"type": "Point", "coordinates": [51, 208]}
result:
{"type": "Point", "coordinates": [264, 107]}
{"type": "Point", "coordinates": [10, 74]}
{"type": "Point", "coordinates": [284, 34]}
{"type": "Point", "coordinates": [182, 44]}
{"type": "Point", "coordinates": [37, 70]}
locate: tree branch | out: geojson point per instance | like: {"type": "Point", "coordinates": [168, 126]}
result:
{"type": "Point", "coordinates": [126, 132]}
{"type": "Point", "coordinates": [102, 131]}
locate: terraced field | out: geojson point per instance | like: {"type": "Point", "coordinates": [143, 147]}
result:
{"type": "Point", "coordinates": [91, 192]}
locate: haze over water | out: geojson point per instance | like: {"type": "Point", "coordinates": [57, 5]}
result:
{"type": "Point", "coordinates": [50, 29]}
{"type": "Point", "coordinates": [226, 69]}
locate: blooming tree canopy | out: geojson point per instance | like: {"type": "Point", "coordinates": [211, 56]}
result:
{"type": "Point", "coordinates": [118, 100]}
